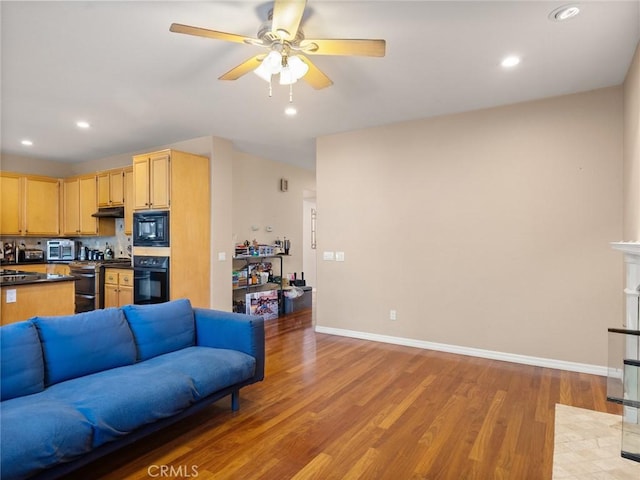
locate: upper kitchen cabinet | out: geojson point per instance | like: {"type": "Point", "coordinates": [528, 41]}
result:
{"type": "Point", "coordinates": [111, 188]}
{"type": "Point", "coordinates": [10, 193]}
{"type": "Point", "coordinates": [152, 181]}
{"type": "Point", "coordinates": [30, 205]}
{"type": "Point", "coordinates": [79, 204]}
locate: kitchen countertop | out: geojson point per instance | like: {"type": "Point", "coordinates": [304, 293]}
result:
{"type": "Point", "coordinates": [12, 277]}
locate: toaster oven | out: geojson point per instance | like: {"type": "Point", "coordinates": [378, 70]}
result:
{"type": "Point", "coordinates": [62, 249]}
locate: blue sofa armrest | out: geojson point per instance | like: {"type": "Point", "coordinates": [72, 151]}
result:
{"type": "Point", "coordinates": [235, 331]}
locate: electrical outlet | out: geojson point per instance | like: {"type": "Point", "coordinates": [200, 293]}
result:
{"type": "Point", "coordinates": [339, 256]}
{"type": "Point", "coordinates": [11, 296]}
{"type": "Point", "coordinates": [393, 315]}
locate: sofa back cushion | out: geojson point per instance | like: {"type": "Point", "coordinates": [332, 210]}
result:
{"type": "Point", "coordinates": [21, 364]}
{"type": "Point", "coordinates": [84, 343]}
{"type": "Point", "coordinates": [162, 327]}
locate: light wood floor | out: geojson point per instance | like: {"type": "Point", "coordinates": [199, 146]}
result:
{"type": "Point", "coordinates": [340, 408]}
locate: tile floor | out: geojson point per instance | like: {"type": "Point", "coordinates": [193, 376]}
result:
{"type": "Point", "coordinates": [587, 447]}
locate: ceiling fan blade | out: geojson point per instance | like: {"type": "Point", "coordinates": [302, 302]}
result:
{"type": "Point", "coordinates": [204, 32]}
{"type": "Point", "coordinates": [286, 17]}
{"type": "Point", "coordinates": [243, 68]}
{"type": "Point", "coordinates": [336, 46]}
{"type": "Point", "coordinates": [315, 77]}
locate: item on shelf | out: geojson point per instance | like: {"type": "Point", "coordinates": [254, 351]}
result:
{"type": "Point", "coordinates": [264, 304]}
{"type": "Point", "coordinates": [287, 246]}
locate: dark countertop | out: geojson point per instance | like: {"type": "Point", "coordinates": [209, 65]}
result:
{"type": "Point", "coordinates": [12, 277]}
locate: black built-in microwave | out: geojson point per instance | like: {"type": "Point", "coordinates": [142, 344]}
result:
{"type": "Point", "coordinates": [151, 229]}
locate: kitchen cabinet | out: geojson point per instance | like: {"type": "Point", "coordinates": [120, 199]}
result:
{"type": "Point", "coordinates": [45, 299]}
{"type": "Point", "coordinates": [111, 188]}
{"type": "Point", "coordinates": [179, 182]}
{"type": "Point", "coordinates": [118, 287]}
{"type": "Point", "coordinates": [128, 201]}
{"type": "Point", "coordinates": [30, 205]}
{"type": "Point", "coordinates": [151, 179]}
{"type": "Point", "coordinates": [79, 201]}
{"type": "Point", "coordinates": [10, 204]}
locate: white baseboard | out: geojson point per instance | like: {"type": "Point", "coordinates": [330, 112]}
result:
{"type": "Point", "coordinates": [472, 352]}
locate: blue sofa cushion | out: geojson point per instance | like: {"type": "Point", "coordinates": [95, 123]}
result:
{"type": "Point", "coordinates": [38, 433]}
{"type": "Point", "coordinates": [210, 369]}
{"type": "Point", "coordinates": [21, 363]}
{"type": "Point", "coordinates": [84, 343]}
{"type": "Point", "coordinates": [118, 401]}
{"type": "Point", "coordinates": [161, 327]}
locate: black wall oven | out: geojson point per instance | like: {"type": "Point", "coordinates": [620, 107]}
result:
{"type": "Point", "coordinates": [150, 280]}
{"type": "Point", "coordinates": [151, 229]}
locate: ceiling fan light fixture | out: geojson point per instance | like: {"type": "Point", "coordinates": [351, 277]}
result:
{"type": "Point", "coordinates": [287, 76]}
{"type": "Point", "coordinates": [298, 67]}
{"type": "Point", "coordinates": [273, 61]}
{"type": "Point", "coordinates": [263, 72]}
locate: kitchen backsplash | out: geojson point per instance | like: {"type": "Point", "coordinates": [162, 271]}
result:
{"type": "Point", "coordinates": [120, 243]}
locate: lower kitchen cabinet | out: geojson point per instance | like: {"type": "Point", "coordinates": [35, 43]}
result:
{"type": "Point", "coordinates": [118, 287]}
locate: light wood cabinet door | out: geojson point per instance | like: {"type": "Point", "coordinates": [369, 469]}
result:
{"type": "Point", "coordinates": [110, 188]}
{"type": "Point", "coordinates": [110, 296]}
{"type": "Point", "coordinates": [128, 201]}
{"type": "Point", "coordinates": [152, 181]}
{"type": "Point", "coordinates": [79, 204]}
{"type": "Point", "coordinates": [42, 215]}
{"type": "Point", "coordinates": [10, 205]}
{"type": "Point", "coordinates": [70, 208]}
{"type": "Point", "coordinates": [141, 183]}
{"type": "Point", "coordinates": [104, 195]}
{"type": "Point", "coordinates": [118, 287]}
{"type": "Point", "coordinates": [87, 205]}
{"type": "Point", "coordinates": [116, 187]}
{"type": "Point", "coordinates": [125, 295]}
{"type": "Point", "coordinates": [159, 183]}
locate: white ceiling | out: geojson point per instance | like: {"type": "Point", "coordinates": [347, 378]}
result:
{"type": "Point", "coordinates": [117, 65]}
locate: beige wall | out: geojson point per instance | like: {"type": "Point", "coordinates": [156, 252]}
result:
{"type": "Point", "coordinates": [632, 151]}
{"type": "Point", "coordinates": [34, 166]}
{"type": "Point", "coordinates": [258, 202]}
{"type": "Point", "coordinates": [488, 229]}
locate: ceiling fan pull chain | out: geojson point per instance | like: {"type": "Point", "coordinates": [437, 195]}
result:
{"type": "Point", "coordinates": [291, 93]}
{"type": "Point", "coordinates": [270, 90]}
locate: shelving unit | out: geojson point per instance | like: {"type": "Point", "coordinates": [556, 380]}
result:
{"type": "Point", "coordinates": [248, 264]}
{"type": "Point", "coordinates": [623, 386]}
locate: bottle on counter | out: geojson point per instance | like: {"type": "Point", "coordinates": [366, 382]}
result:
{"type": "Point", "coordinates": [108, 252]}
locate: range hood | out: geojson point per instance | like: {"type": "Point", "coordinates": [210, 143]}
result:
{"type": "Point", "coordinates": [109, 212]}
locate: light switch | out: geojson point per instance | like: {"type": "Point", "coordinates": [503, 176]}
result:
{"type": "Point", "coordinates": [339, 256]}
{"type": "Point", "coordinates": [327, 256]}
{"type": "Point", "coordinates": [222, 256]}
{"type": "Point", "coordinates": [11, 296]}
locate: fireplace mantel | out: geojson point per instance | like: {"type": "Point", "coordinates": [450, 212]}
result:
{"type": "Point", "coordinates": [630, 248]}
{"type": "Point", "coordinates": [631, 252]}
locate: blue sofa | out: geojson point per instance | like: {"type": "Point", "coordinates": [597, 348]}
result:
{"type": "Point", "coordinates": [74, 388]}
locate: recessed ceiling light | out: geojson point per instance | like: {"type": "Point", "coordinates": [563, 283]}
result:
{"type": "Point", "coordinates": [510, 61]}
{"type": "Point", "coordinates": [83, 124]}
{"type": "Point", "coordinates": [26, 143]}
{"type": "Point", "coordinates": [564, 13]}
{"type": "Point", "coordinates": [291, 111]}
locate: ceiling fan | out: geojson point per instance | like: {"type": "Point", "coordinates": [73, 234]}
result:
{"type": "Point", "coordinates": [287, 47]}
